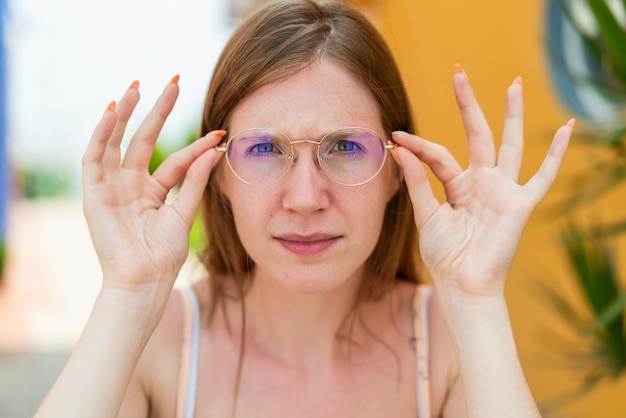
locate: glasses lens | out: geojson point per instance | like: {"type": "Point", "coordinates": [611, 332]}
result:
{"type": "Point", "coordinates": [352, 156]}
{"type": "Point", "coordinates": [259, 156]}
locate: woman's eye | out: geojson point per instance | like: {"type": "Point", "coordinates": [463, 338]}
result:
{"type": "Point", "coordinates": [345, 146]}
{"type": "Point", "coordinates": [264, 148]}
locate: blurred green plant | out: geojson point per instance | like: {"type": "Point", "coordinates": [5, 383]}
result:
{"type": "Point", "coordinates": [599, 351]}
{"type": "Point", "coordinates": [599, 27]}
{"type": "Point", "coordinates": [197, 237]}
{"type": "Point", "coordinates": [599, 64]}
{"type": "Point", "coordinates": [604, 38]}
{"type": "Point", "coordinates": [42, 182]}
{"type": "Point", "coordinates": [2, 259]}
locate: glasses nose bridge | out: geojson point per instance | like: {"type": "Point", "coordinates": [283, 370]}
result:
{"type": "Point", "coordinates": [316, 155]}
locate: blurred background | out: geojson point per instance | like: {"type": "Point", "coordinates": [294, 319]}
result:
{"type": "Point", "coordinates": [64, 61]}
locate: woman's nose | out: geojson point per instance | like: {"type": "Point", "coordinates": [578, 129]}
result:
{"type": "Point", "coordinates": [306, 185]}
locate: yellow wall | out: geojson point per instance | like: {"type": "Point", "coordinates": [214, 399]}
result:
{"type": "Point", "coordinates": [495, 41]}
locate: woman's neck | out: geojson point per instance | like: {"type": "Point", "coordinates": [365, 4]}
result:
{"type": "Point", "coordinates": [301, 330]}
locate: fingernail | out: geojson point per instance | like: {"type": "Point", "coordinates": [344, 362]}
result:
{"type": "Point", "coordinates": [460, 70]}
{"type": "Point", "coordinates": [518, 80]}
{"type": "Point", "coordinates": [216, 133]}
{"type": "Point", "coordinates": [571, 123]}
{"type": "Point", "coordinates": [222, 147]}
{"type": "Point", "coordinates": [134, 85]}
{"type": "Point", "coordinates": [111, 106]}
{"type": "Point", "coordinates": [175, 79]}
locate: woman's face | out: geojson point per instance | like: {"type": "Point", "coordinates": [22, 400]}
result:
{"type": "Point", "coordinates": [306, 232]}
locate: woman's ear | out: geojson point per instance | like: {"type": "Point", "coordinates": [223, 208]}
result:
{"type": "Point", "coordinates": [395, 180]}
{"type": "Point", "coordinates": [219, 177]}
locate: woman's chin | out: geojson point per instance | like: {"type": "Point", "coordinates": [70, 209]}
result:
{"type": "Point", "coordinates": [313, 280]}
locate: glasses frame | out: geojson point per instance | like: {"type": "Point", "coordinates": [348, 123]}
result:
{"type": "Point", "coordinates": [293, 156]}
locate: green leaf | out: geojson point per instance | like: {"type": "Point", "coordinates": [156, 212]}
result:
{"type": "Point", "coordinates": [612, 35]}
{"type": "Point", "coordinates": [607, 230]}
{"type": "Point", "coordinates": [564, 307]}
{"type": "Point", "coordinates": [611, 313]}
{"type": "Point", "coordinates": [595, 270]}
{"type": "Point", "coordinates": [593, 266]}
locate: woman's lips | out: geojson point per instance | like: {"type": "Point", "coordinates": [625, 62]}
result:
{"type": "Point", "coordinates": [307, 245]}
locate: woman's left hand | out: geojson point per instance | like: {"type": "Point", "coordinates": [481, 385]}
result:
{"type": "Point", "coordinates": [468, 242]}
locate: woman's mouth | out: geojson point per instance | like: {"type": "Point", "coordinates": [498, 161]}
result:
{"type": "Point", "coordinates": [307, 245]}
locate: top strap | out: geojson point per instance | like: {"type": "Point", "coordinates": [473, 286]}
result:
{"type": "Point", "coordinates": [189, 356]}
{"type": "Point", "coordinates": [420, 340]}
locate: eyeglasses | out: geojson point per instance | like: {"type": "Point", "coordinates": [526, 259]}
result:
{"type": "Point", "coordinates": [348, 156]}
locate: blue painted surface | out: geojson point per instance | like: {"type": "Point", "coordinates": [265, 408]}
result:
{"type": "Point", "coordinates": [4, 170]}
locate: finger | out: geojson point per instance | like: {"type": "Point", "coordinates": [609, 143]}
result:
{"type": "Point", "coordinates": [416, 178]}
{"type": "Point", "coordinates": [436, 156]}
{"type": "Point", "coordinates": [97, 146]}
{"type": "Point", "coordinates": [142, 143]}
{"type": "Point", "coordinates": [479, 138]}
{"type": "Point", "coordinates": [172, 170]}
{"type": "Point", "coordinates": [124, 110]}
{"type": "Point", "coordinates": [512, 147]}
{"type": "Point", "coordinates": [540, 183]}
{"type": "Point", "coordinates": [190, 194]}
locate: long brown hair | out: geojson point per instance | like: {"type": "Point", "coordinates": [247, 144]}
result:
{"type": "Point", "coordinates": [276, 41]}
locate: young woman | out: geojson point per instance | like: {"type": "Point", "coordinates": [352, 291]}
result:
{"type": "Point", "coordinates": [312, 189]}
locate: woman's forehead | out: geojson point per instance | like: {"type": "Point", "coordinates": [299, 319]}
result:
{"type": "Point", "coordinates": [320, 97]}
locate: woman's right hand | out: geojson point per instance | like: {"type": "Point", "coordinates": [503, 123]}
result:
{"type": "Point", "coordinates": [142, 241]}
